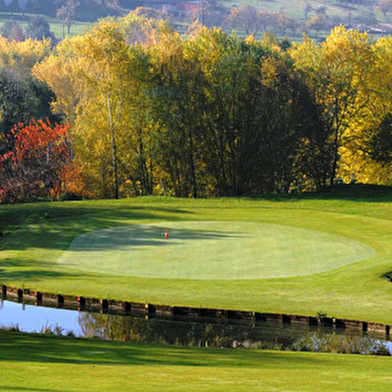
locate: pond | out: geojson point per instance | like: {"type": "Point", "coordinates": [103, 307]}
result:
{"type": "Point", "coordinates": [27, 317]}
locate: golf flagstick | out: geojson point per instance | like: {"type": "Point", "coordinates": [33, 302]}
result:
{"type": "Point", "coordinates": [167, 237]}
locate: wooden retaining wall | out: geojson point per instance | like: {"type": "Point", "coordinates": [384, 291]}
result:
{"type": "Point", "coordinates": [150, 310]}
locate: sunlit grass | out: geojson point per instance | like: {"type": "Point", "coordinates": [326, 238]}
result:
{"type": "Point", "coordinates": [37, 235]}
{"type": "Point", "coordinates": [212, 250]}
{"type": "Point", "coordinates": [38, 363]}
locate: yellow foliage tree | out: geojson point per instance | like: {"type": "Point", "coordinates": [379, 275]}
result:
{"type": "Point", "coordinates": [337, 72]}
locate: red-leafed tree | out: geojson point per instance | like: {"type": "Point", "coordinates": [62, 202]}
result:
{"type": "Point", "coordinates": [37, 163]}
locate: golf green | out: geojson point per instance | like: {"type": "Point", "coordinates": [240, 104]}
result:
{"type": "Point", "coordinates": [212, 250]}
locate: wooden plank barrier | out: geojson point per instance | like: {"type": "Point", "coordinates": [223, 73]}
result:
{"type": "Point", "coordinates": [219, 315]}
{"type": "Point", "coordinates": [300, 320]}
{"type": "Point", "coordinates": [163, 310]}
{"type": "Point", "coordinates": [378, 327]}
{"type": "Point", "coordinates": [239, 315]}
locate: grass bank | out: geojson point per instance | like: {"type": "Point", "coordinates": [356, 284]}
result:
{"type": "Point", "coordinates": [37, 235]}
{"type": "Point", "coordinates": [47, 363]}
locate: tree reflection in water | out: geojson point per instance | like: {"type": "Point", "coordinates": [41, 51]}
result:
{"type": "Point", "coordinates": [274, 336]}
{"type": "Point", "coordinates": [112, 327]}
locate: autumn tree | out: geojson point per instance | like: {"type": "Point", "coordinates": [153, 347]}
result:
{"type": "Point", "coordinates": [317, 23]}
{"type": "Point", "coordinates": [337, 72]}
{"type": "Point", "coordinates": [227, 114]}
{"type": "Point", "coordinates": [37, 162]}
{"type": "Point", "coordinates": [247, 18]}
{"type": "Point", "coordinates": [177, 97]}
{"type": "Point", "coordinates": [367, 147]}
{"type": "Point", "coordinates": [66, 13]}
{"type": "Point", "coordinates": [22, 97]}
{"type": "Point", "coordinates": [12, 30]}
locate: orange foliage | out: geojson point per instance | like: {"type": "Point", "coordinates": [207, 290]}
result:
{"type": "Point", "coordinates": [38, 163]}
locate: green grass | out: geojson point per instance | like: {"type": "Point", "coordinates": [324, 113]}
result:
{"type": "Point", "coordinates": [39, 234]}
{"type": "Point", "coordinates": [212, 250]}
{"type": "Point", "coordinates": [77, 28]}
{"type": "Point", "coordinates": [46, 363]}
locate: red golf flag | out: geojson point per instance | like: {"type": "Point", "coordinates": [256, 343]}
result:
{"type": "Point", "coordinates": [167, 234]}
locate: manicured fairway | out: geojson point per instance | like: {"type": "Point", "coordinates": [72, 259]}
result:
{"type": "Point", "coordinates": [45, 363]}
{"type": "Point", "coordinates": [212, 250]}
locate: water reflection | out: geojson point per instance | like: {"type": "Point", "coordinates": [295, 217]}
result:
{"type": "Point", "coordinates": [269, 335]}
{"type": "Point", "coordinates": [207, 333]}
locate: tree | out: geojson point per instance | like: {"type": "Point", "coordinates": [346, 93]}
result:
{"type": "Point", "coordinates": [385, 6]}
{"type": "Point", "coordinates": [177, 94]}
{"type": "Point", "coordinates": [105, 83]}
{"type": "Point", "coordinates": [247, 18]}
{"type": "Point", "coordinates": [307, 9]}
{"type": "Point", "coordinates": [37, 162]}
{"type": "Point", "coordinates": [38, 28]}
{"type": "Point", "coordinates": [380, 141]}
{"type": "Point", "coordinates": [337, 73]}
{"type": "Point", "coordinates": [22, 97]}
{"type": "Point", "coordinates": [317, 23]}
{"type": "Point", "coordinates": [367, 145]}
{"type": "Point", "coordinates": [66, 13]}
{"type": "Point", "coordinates": [12, 30]}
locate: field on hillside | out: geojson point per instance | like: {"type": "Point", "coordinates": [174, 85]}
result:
{"type": "Point", "coordinates": [291, 255]}
{"type": "Point", "coordinates": [366, 16]}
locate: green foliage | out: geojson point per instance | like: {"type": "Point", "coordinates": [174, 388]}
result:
{"type": "Point", "coordinates": [380, 144]}
{"type": "Point", "coordinates": [38, 28]}
{"type": "Point", "coordinates": [22, 99]}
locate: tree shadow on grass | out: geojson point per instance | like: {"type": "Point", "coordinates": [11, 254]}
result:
{"type": "Point", "coordinates": [55, 228]}
{"type": "Point", "coordinates": [20, 270]}
{"type": "Point", "coordinates": [21, 347]}
{"type": "Point", "coordinates": [146, 235]}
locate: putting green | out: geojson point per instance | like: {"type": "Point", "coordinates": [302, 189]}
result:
{"type": "Point", "coordinates": [212, 250]}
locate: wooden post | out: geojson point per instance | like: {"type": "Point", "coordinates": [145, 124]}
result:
{"type": "Point", "coordinates": [82, 302]}
{"type": "Point", "coordinates": [104, 305]}
{"type": "Point", "coordinates": [20, 295]}
{"type": "Point", "coordinates": [38, 296]}
{"type": "Point", "coordinates": [127, 307]}
{"type": "Point", "coordinates": [60, 300]}
{"type": "Point", "coordinates": [150, 309]}
{"type": "Point", "coordinates": [286, 319]}
{"type": "Point", "coordinates": [4, 291]}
